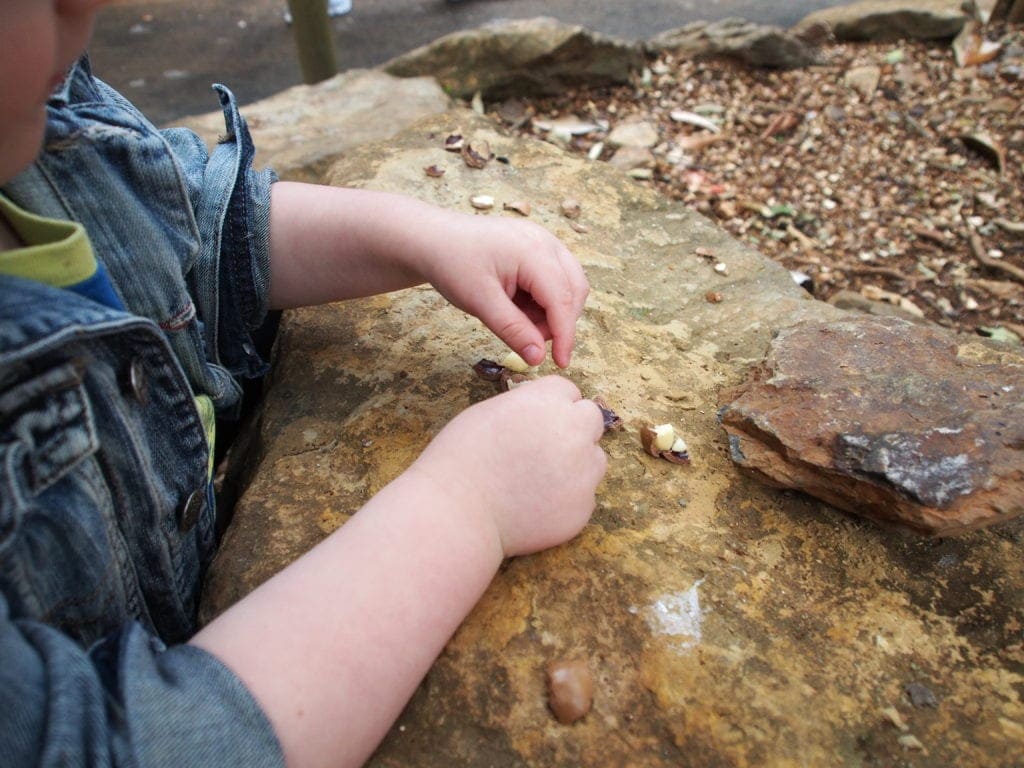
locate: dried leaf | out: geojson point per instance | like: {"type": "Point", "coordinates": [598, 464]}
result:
{"type": "Point", "coordinates": [434, 171]}
{"type": "Point", "coordinates": [692, 118]}
{"type": "Point", "coordinates": [986, 145]}
{"type": "Point", "coordinates": [784, 122]}
{"type": "Point", "coordinates": [521, 207]}
{"type": "Point", "coordinates": [569, 126]}
{"type": "Point", "coordinates": [697, 142]}
{"type": "Point", "coordinates": [970, 47]}
{"type": "Point", "coordinates": [864, 80]}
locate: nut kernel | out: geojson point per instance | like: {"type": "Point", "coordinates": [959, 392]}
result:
{"type": "Point", "coordinates": [515, 363]}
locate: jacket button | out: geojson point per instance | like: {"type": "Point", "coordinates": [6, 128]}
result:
{"type": "Point", "coordinates": [137, 380]}
{"type": "Point", "coordinates": [191, 509]}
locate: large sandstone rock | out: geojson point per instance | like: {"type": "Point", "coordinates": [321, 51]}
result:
{"type": "Point", "coordinates": [898, 422]}
{"type": "Point", "coordinates": [889, 20]}
{"type": "Point", "coordinates": [758, 45]}
{"type": "Point", "coordinates": [725, 622]}
{"type": "Point", "coordinates": [540, 56]}
{"type": "Point", "coordinates": [302, 130]}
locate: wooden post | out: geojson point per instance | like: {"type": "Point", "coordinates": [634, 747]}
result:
{"type": "Point", "coordinates": [1009, 10]}
{"type": "Point", "coordinates": [313, 40]}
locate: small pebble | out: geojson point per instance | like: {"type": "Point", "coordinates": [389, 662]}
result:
{"type": "Point", "coordinates": [921, 695]}
{"type": "Point", "coordinates": [570, 690]}
{"type": "Point", "coordinates": [909, 741]}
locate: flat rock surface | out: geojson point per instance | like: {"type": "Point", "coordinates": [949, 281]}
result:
{"type": "Point", "coordinates": [883, 418]}
{"type": "Point", "coordinates": [724, 622]}
{"type": "Point", "coordinates": [302, 130]}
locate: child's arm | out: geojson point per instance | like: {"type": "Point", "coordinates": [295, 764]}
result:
{"type": "Point", "coordinates": [334, 646]}
{"type": "Point", "coordinates": [330, 243]}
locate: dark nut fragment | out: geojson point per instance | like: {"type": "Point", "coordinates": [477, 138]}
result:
{"type": "Point", "coordinates": [713, 297]}
{"type": "Point", "coordinates": [488, 370]}
{"type": "Point", "coordinates": [434, 171]}
{"type": "Point", "coordinates": [611, 419]}
{"type": "Point", "coordinates": [570, 690]}
{"type": "Point", "coordinates": [522, 207]}
{"type": "Point", "coordinates": [476, 155]}
{"type": "Point", "coordinates": [510, 380]}
{"type": "Point", "coordinates": [453, 142]}
{"type": "Point", "coordinates": [571, 208]}
{"type": "Point", "coordinates": [677, 457]}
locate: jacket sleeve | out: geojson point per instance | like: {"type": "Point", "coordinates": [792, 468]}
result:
{"type": "Point", "coordinates": [128, 702]}
{"type": "Point", "coordinates": [231, 203]}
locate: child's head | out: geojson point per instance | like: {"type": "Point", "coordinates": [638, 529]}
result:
{"type": "Point", "coordinates": [39, 40]}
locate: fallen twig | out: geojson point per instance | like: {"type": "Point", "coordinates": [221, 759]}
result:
{"type": "Point", "coordinates": [866, 269]}
{"type": "Point", "coordinates": [978, 250]}
{"type": "Point", "coordinates": [1013, 227]}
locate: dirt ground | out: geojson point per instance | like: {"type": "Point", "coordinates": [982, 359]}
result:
{"type": "Point", "coordinates": [909, 196]}
{"type": "Point", "coordinates": [164, 54]}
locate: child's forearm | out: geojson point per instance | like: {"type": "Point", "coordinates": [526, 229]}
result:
{"type": "Point", "coordinates": [334, 645]}
{"type": "Point", "coordinates": [331, 243]}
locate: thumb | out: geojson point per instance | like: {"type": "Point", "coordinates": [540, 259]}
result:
{"type": "Point", "coordinates": [510, 324]}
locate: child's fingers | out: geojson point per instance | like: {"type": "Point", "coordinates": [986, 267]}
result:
{"type": "Point", "coordinates": [593, 418]}
{"type": "Point", "coordinates": [565, 320]}
{"type": "Point", "coordinates": [552, 289]}
{"type": "Point", "coordinates": [577, 278]}
{"type": "Point", "coordinates": [512, 325]}
{"type": "Point", "coordinates": [554, 386]}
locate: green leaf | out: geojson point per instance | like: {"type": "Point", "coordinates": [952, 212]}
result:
{"type": "Point", "coordinates": [998, 333]}
{"type": "Point", "coordinates": [894, 56]}
{"type": "Point", "coordinates": [780, 210]}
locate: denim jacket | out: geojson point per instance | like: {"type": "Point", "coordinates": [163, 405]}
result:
{"type": "Point", "coordinates": [106, 510]}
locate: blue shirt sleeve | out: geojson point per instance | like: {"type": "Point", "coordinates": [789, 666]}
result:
{"type": "Point", "coordinates": [129, 701]}
{"type": "Point", "coordinates": [231, 203]}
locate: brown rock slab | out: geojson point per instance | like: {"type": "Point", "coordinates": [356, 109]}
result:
{"type": "Point", "coordinates": [516, 57]}
{"type": "Point", "coordinates": [757, 45]}
{"type": "Point", "coordinates": [724, 622]}
{"type": "Point", "coordinates": [889, 20]}
{"type": "Point", "coordinates": [883, 418]}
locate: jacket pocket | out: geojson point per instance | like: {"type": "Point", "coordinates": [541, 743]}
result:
{"type": "Point", "coordinates": [58, 541]}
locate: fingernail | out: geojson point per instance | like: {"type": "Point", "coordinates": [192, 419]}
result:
{"type": "Point", "coordinates": [533, 354]}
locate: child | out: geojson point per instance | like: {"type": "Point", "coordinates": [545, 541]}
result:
{"type": "Point", "coordinates": [133, 269]}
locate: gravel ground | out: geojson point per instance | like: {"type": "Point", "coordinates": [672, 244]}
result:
{"type": "Point", "coordinates": [907, 190]}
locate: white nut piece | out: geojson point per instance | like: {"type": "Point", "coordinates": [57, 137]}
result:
{"type": "Point", "coordinates": [515, 363]}
{"type": "Point", "coordinates": [482, 202]}
{"type": "Point", "coordinates": [664, 436]}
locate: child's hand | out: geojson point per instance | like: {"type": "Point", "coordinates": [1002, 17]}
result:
{"type": "Point", "coordinates": [529, 458]}
{"type": "Point", "coordinates": [514, 275]}
{"type": "Point", "coordinates": [330, 243]}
